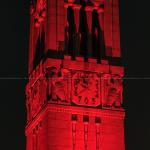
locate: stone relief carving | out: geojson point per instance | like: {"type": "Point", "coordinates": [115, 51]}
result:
{"type": "Point", "coordinates": [35, 93]}
{"type": "Point", "coordinates": [58, 84]}
{"type": "Point", "coordinates": [35, 97]}
{"type": "Point", "coordinates": [86, 89]}
{"type": "Point", "coordinates": [112, 90]}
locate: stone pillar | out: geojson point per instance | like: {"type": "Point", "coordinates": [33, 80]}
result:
{"type": "Point", "coordinates": [86, 131]}
{"type": "Point", "coordinates": [76, 9]}
{"type": "Point", "coordinates": [86, 135]}
{"type": "Point", "coordinates": [51, 29]}
{"type": "Point", "coordinates": [74, 134]}
{"type": "Point", "coordinates": [66, 30]}
{"type": "Point", "coordinates": [101, 17]}
{"type": "Point", "coordinates": [97, 136]}
{"type": "Point", "coordinates": [100, 12]}
{"type": "Point", "coordinates": [89, 10]}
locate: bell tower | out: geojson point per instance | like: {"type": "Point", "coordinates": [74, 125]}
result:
{"type": "Point", "coordinates": [74, 93]}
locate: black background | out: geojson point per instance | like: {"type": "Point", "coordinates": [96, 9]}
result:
{"type": "Point", "coordinates": [135, 43]}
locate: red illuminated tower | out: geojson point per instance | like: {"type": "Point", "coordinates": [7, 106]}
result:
{"type": "Point", "coordinates": [74, 94]}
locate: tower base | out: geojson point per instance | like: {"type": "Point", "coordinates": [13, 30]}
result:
{"type": "Point", "coordinates": [59, 127]}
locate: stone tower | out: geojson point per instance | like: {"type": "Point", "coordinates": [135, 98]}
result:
{"type": "Point", "coordinates": [74, 93]}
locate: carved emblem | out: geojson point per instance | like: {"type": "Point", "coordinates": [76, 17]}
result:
{"type": "Point", "coordinates": [58, 85]}
{"type": "Point", "coordinates": [86, 89]}
{"type": "Point", "coordinates": [38, 96]}
{"type": "Point", "coordinates": [112, 92]}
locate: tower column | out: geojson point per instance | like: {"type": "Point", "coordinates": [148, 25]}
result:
{"type": "Point", "coordinates": [100, 12]}
{"type": "Point", "coordinates": [66, 30]}
{"type": "Point", "coordinates": [97, 136]}
{"type": "Point", "coordinates": [101, 18]}
{"type": "Point", "coordinates": [76, 9]}
{"type": "Point", "coordinates": [89, 10]}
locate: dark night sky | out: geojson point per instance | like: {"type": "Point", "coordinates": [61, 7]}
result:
{"type": "Point", "coordinates": [135, 41]}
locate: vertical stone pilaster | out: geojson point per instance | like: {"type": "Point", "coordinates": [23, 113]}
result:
{"type": "Point", "coordinates": [89, 10]}
{"type": "Point", "coordinates": [86, 135]}
{"type": "Point", "coordinates": [97, 136]}
{"type": "Point", "coordinates": [65, 30]}
{"type": "Point", "coordinates": [100, 12]}
{"type": "Point", "coordinates": [76, 9]}
{"type": "Point", "coordinates": [101, 18]}
{"type": "Point", "coordinates": [74, 134]}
